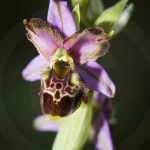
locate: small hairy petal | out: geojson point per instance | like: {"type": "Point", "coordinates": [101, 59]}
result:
{"type": "Point", "coordinates": [44, 37]}
{"type": "Point", "coordinates": [60, 17]}
{"type": "Point", "coordinates": [33, 70]}
{"type": "Point", "coordinates": [88, 45]}
{"type": "Point", "coordinates": [43, 123]}
{"type": "Point", "coordinates": [103, 139]}
{"type": "Point", "coordinates": [97, 78]}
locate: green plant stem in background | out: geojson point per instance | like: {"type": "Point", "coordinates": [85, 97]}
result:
{"type": "Point", "coordinates": [76, 15]}
{"type": "Point", "coordinates": [110, 16]}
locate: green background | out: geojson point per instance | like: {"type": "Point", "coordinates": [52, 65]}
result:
{"type": "Point", "coordinates": [126, 65]}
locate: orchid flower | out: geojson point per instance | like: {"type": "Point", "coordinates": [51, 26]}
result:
{"type": "Point", "coordinates": [67, 67]}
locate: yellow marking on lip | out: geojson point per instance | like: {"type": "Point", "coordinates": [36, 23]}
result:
{"type": "Point", "coordinates": [53, 117]}
{"type": "Point", "coordinates": [75, 81]}
{"type": "Point", "coordinates": [45, 75]}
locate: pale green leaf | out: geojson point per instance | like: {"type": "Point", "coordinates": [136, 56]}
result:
{"type": "Point", "coordinates": [82, 3]}
{"type": "Point", "coordinates": [76, 15]}
{"type": "Point", "coordinates": [123, 20]}
{"type": "Point", "coordinates": [97, 7]}
{"type": "Point", "coordinates": [94, 9]}
{"type": "Point", "coordinates": [75, 128]}
{"type": "Point", "coordinates": [110, 16]}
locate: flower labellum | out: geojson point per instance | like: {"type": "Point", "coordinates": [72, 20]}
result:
{"type": "Point", "coordinates": [62, 87]}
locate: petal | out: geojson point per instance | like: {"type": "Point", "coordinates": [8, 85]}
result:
{"type": "Point", "coordinates": [33, 70]}
{"type": "Point", "coordinates": [61, 18]}
{"type": "Point", "coordinates": [123, 20]}
{"type": "Point", "coordinates": [103, 140]}
{"type": "Point", "coordinates": [88, 45]}
{"type": "Point", "coordinates": [43, 123]}
{"type": "Point", "coordinates": [44, 37]}
{"type": "Point", "coordinates": [97, 78]}
{"type": "Point", "coordinates": [104, 103]}
{"type": "Point", "coordinates": [99, 98]}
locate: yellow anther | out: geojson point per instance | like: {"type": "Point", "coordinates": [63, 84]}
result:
{"type": "Point", "coordinates": [24, 21]}
{"type": "Point", "coordinates": [111, 33]}
{"type": "Point", "coordinates": [53, 117]}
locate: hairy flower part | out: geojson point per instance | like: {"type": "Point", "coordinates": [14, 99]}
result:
{"type": "Point", "coordinates": [62, 87]}
{"type": "Point", "coordinates": [84, 46]}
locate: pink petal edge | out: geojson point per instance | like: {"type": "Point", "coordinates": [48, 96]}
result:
{"type": "Point", "coordinates": [44, 37]}
{"type": "Point", "coordinates": [88, 45]}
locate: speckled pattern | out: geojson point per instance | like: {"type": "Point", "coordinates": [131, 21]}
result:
{"type": "Point", "coordinates": [61, 96]}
